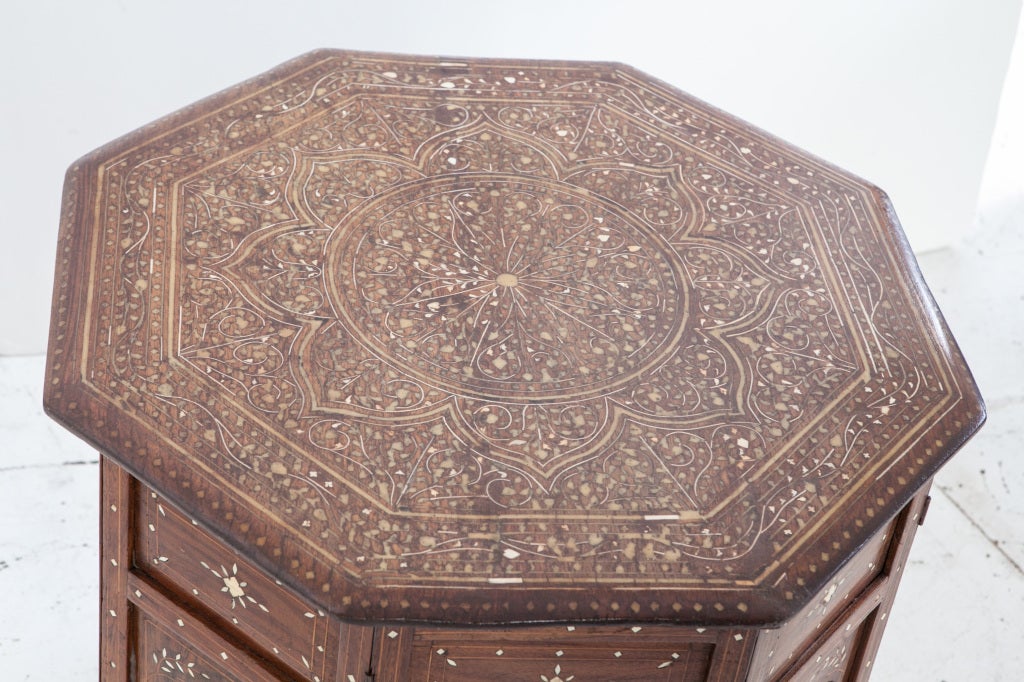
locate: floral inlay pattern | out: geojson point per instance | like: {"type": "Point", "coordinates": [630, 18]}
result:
{"type": "Point", "coordinates": [464, 328]}
{"type": "Point", "coordinates": [233, 587]}
{"type": "Point", "coordinates": [175, 665]}
{"type": "Point", "coordinates": [482, 288]}
{"type": "Point", "coordinates": [507, 314]}
{"type": "Point", "coordinates": [557, 677]}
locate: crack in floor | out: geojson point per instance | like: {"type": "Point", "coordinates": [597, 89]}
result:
{"type": "Point", "coordinates": [978, 527]}
{"type": "Point", "coordinates": [70, 463]}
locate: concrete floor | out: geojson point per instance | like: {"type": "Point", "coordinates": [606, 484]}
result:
{"type": "Point", "coordinates": [960, 613]}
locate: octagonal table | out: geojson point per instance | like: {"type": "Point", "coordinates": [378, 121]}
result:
{"type": "Point", "coordinates": [411, 368]}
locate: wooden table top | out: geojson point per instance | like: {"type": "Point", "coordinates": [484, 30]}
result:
{"type": "Point", "coordinates": [502, 341]}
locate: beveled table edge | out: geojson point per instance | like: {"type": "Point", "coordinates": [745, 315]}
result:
{"type": "Point", "coordinates": [764, 606]}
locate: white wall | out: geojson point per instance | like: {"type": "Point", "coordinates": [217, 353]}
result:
{"type": "Point", "coordinates": [903, 93]}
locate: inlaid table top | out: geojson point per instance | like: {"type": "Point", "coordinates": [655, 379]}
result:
{"type": "Point", "coordinates": [502, 341]}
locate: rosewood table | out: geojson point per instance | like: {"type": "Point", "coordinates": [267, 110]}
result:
{"type": "Point", "coordinates": [406, 368]}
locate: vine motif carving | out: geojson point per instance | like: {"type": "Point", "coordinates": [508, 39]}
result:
{"type": "Point", "coordinates": [478, 287]}
{"type": "Point", "coordinates": [414, 309]}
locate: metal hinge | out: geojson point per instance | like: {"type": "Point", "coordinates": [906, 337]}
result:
{"type": "Point", "coordinates": [924, 510]}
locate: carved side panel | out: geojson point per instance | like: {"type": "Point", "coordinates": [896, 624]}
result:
{"type": "Point", "coordinates": [837, 638]}
{"type": "Point", "coordinates": [778, 649]}
{"type": "Point", "coordinates": [173, 645]}
{"type": "Point", "coordinates": [830, 662]}
{"type": "Point", "coordinates": [178, 554]}
{"type": "Point", "coordinates": [548, 654]}
{"type": "Point", "coordinates": [165, 657]}
{"type": "Point", "coordinates": [874, 627]}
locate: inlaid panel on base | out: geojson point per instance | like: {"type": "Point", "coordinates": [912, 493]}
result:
{"type": "Point", "coordinates": [195, 608]}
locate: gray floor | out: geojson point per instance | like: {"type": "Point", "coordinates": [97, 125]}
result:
{"type": "Point", "coordinates": [960, 613]}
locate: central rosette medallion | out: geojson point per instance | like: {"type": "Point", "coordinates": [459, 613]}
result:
{"type": "Point", "coordinates": [489, 317]}
{"type": "Point", "coordinates": [504, 288]}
